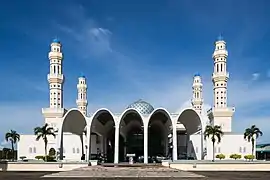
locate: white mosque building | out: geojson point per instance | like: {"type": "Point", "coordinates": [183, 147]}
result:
{"type": "Point", "coordinates": [140, 129]}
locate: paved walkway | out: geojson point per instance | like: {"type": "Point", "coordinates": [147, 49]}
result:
{"type": "Point", "coordinates": [127, 172]}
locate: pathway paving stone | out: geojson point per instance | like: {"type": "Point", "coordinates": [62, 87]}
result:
{"type": "Point", "coordinates": [128, 172]}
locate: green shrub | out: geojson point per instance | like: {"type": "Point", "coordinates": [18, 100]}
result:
{"type": "Point", "coordinates": [220, 156]}
{"type": "Point", "coordinates": [23, 157]}
{"type": "Point", "coordinates": [50, 158]}
{"type": "Point", "coordinates": [39, 157]}
{"type": "Point", "coordinates": [235, 156]}
{"type": "Point", "coordinates": [249, 157]}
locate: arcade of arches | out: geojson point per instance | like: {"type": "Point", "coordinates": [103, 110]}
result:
{"type": "Point", "coordinates": [146, 137]}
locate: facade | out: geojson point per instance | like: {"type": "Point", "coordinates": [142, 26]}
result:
{"type": "Point", "coordinates": [140, 129]}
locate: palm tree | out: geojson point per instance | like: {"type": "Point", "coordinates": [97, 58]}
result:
{"type": "Point", "coordinates": [213, 132]}
{"type": "Point", "coordinates": [13, 137]}
{"type": "Point", "coordinates": [250, 133]}
{"type": "Point", "coordinates": [43, 132]}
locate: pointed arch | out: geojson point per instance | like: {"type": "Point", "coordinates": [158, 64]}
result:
{"type": "Point", "coordinates": [74, 121]}
{"type": "Point", "coordinates": [190, 119]}
{"type": "Point", "coordinates": [162, 111]}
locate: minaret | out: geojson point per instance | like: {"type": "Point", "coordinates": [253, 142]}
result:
{"type": "Point", "coordinates": [220, 114]}
{"type": "Point", "coordinates": [55, 78]}
{"type": "Point", "coordinates": [82, 95]}
{"type": "Point", "coordinates": [197, 99]}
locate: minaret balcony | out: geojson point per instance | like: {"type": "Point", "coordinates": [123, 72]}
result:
{"type": "Point", "coordinates": [55, 78]}
{"type": "Point", "coordinates": [221, 52]}
{"type": "Point", "coordinates": [223, 76]}
{"type": "Point", "coordinates": [55, 55]}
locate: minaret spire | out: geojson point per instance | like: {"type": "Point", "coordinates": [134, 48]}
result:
{"type": "Point", "coordinates": [197, 99]}
{"type": "Point", "coordinates": [82, 95]}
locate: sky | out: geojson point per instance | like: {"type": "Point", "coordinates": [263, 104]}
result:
{"type": "Point", "coordinates": [130, 50]}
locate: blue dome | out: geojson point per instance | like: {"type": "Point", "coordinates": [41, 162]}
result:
{"type": "Point", "coordinates": [82, 75]}
{"type": "Point", "coordinates": [220, 38]}
{"type": "Point", "coordinates": [197, 74]}
{"type": "Point", "coordinates": [56, 40]}
{"type": "Point", "coordinates": [142, 107]}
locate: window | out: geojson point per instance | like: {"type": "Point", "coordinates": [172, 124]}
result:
{"type": "Point", "coordinates": [34, 150]}
{"type": "Point", "coordinates": [219, 147]}
{"type": "Point", "coordinates": [30, 150]}
{"type": "Point", "coordinates": [240, 149]}
{"type": "Point", "coordinates": [244, 150]}
{"type": "Point", "coordinates": [78, 150]}
{"type": "Point", "coordinates": [73, 150]}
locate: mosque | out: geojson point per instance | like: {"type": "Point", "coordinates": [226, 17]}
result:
{"type": "Point", "coordinates": [140, 130]}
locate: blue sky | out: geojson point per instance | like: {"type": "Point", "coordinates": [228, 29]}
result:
{"type": "Point", "coordinates": [130, 50]}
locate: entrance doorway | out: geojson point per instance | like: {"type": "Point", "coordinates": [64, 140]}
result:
{"type": "Point", "coordinates": [131, 136]}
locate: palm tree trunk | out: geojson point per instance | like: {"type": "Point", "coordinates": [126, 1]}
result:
{"type": "Point", "coordinates": [45, 151]}
{"type": "Point", "coordinates": [252, 142]}
{"type": "Point", "coordinates": [12, 149]}
{"type": "Point", "coordinates": [213, 151]}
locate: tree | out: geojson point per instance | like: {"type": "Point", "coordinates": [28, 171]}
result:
{"type": "Point", "coordinates": [43, 132]}
{"type": "Point", "coordinates": [13, 137]}
{"type": "Point", "coordinates": [213, 132]}
{"type": "Point", "coordinates": [250, 133]}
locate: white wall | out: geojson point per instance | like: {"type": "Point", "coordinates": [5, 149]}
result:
{"type": "Point", "coordinates": [194, 146]}
{"type": "Point", "coordinates": [29, 147]}
{"type": "Point", "coordinates": [230, 144]}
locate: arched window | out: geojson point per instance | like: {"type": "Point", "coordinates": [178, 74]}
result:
{"type": "Point", "coordinates": [221, 67]}
{"type": "Point", "coordinates": [30, 150]}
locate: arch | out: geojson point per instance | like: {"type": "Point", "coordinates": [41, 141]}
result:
{"type": "Point", "coordinates": [102, 123]}
{"type": "Point", "coordinates": [160, 110]}
{"type": "Point", "coordinates": [98, 113]}
{"type": "Point", "coordinates": [190, 119]}
{"type": "Point", "coordinates": [74, 126]}
{"type": "Point", "coordinates": [131, 124]}
{"type": "Point", "coordinates": [128, 111]}
{"type": "Point", "coordinates": [159, 128]}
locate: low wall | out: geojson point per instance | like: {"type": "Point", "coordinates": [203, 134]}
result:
{"type": "Point", "coordinates": [218, 165]}
{"type": "Point", "coordinates": [40, 166]}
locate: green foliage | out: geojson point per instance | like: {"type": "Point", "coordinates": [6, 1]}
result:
{"type": "Point", "coordinates": [43, 132]}
{"type": "Point", "coordinates": [52, 152]}
{"type": "Point", "coordinates": [46, 158]}
{"type": "Point", "coordinates": [23, 157]}
{"type": "Point", "coordinates": [235, 156]}
{"type": "Point", "coordinates": [49, 158]}
{"type": "Point", "coordinates": [39, 157]}
{"type": "Point", "coordinates": [220, 156]}
{"type": "Point", "coordinates": [13, 137]}
{"type": "Point", "coordinates": [249, 157]}
{"type": "Point", "coordinates": [252, 132]}
{"type": "Point", "coordinates": [213, 132]}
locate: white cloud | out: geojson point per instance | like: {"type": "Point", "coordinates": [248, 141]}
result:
{"type": "Point", "coordinates": [255, 76]}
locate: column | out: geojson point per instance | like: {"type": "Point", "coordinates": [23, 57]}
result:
{"type": "Point", "coordinates": [88, 149]}
{"type": "Point", "coordinates": [174, 143]}
{"type": "Point", "coordinates": [145, 144]}
{"type": "Point", "coordinates": [116, 145]}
